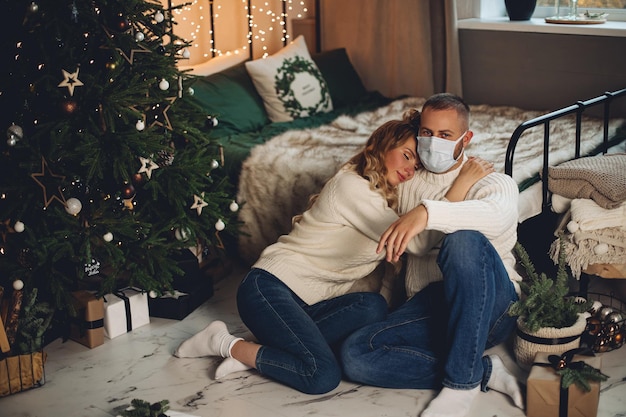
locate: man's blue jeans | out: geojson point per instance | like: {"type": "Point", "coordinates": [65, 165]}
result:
{"type": "Point", "coordinates": [438, 337]}
{"type": "Point", "coordinates": [299, 340]}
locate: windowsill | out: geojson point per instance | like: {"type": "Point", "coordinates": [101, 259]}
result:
{"type": "Point", "coordinates": [536, 25]}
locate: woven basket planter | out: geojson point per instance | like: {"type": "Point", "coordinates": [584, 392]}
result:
{"type": "Point", "coordinates": [548, 339]}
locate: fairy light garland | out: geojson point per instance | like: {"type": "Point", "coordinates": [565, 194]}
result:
{"type": "Point", "coordinates": [197, 23]}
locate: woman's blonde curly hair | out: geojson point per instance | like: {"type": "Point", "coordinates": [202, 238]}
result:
{"type": "Point", "coordinates": [370, 162]}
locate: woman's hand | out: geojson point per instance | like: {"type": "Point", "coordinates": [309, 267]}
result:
{"type": "Point", "coordinates": [471, 172]}
{"type": "Point", "coordinates": [397, 236]}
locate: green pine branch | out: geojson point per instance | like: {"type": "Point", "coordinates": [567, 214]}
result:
{"type": "Point", "coordinates": [545, 301]}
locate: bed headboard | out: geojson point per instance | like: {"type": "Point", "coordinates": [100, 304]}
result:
{"type": "Point", "coordinates": [578, 109]}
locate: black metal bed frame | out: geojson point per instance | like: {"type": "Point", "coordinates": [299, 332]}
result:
{"type": "Point", "coordinates": [579, 108]}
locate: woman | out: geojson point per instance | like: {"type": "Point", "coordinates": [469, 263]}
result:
{"type": "Point", "coordinates": [296, 299]}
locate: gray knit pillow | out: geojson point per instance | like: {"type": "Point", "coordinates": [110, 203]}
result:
{"type": "Point", "coordinates": [600, 178]}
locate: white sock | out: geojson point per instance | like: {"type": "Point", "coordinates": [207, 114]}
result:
{"type": "Point", "coordinates": [503, 381]}
{"type": "Point", "coordinates": [451, 403]}
{"type": "Point", "coordinates": [214, 340]}
{"type": "Point", "coordinates": [228, 366]}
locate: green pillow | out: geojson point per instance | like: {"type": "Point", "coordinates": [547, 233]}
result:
{"type": "Point", "coordinates": [231, 98]}
{"type": "Point", "coordinates": [344, 84]}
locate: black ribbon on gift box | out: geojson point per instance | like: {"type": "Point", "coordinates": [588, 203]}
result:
{"type": "Point", "coordinates": [129, 321]}
{"type": "Point", "coordinates": [563, 363]}
{"type": "Point", "coordinates": [84, 325]}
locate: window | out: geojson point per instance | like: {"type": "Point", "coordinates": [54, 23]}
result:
{"type": "Point", "coordinates": [616, 9]}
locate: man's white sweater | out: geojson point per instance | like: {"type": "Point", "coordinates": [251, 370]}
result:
{"type": "Point", "coordinates": [490, 207]}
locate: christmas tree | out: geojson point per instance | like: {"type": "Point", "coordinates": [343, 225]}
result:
{"type": "Point", "coordinates": [108, 171]}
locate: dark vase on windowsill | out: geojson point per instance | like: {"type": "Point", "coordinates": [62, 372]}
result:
{"type": "Point", "coordinates": [520, 9]}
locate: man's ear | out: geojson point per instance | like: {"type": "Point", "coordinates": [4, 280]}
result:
{"type": "Point", "coordinates": [467, 138]}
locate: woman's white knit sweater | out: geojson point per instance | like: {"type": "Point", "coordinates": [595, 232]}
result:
{"type": "Point", "coordinates": [334, 244]}
{"type": "Point", "coordinates": [490, 207]}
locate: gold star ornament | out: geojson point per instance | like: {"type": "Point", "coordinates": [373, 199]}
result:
{"type": "Point", "coordinates": [70, 81]}
{"type": "Point", "coordinates": [198, 203]}
{"type": "Point", "coordinates": [48, 180]}
{"type": "Point", "coordinates": [147, 166]}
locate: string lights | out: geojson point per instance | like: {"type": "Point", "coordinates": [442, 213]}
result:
{"type": "Point", "coordinates": [223, 27]}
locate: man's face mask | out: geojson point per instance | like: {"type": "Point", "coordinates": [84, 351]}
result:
{"type": "Point", "coordinates": [437, 154]}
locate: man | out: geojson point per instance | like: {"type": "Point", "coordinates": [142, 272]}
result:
{"type": "Point", "coordinates": [459, 294]}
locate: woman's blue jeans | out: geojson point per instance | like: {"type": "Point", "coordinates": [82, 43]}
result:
{"type": "Point", "coordinates": [438, 337]}
{"type": "Point", "coordinates": [299, 340]}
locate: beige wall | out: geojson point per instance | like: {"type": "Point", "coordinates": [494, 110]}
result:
{"type": "Point", "coordinates": [539, 70]}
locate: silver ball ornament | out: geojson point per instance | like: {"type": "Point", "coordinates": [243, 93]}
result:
{"type": "Point", "coordinates": [614, 317]}
{"type": "Point", "coordinates": [108, 237]}
{"type": "Point", "coordinates": [159, 17]}
{"type": "Point", "coordinates": [14, 134]}
{"type": "Point", "coordinates": [604, 312]}
{"type": "Point", "coordinates": [139, 36]}
{"type": "Point", "coordinates": [152, 294]}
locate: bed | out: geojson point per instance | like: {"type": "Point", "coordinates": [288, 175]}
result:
{"type": "Point", "coordinates": [277, 165]}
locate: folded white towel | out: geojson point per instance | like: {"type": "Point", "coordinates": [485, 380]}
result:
{"type": "Point", "coordinates": [588, 215]}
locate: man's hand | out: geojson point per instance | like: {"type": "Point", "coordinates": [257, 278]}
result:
{"type": "Point", "coordinates": [399, 234]}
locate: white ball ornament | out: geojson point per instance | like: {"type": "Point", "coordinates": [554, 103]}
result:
{"type": "Point", "coordinates": [191, 91]}
{"type": "Point", "coordinates": [18, 227]}
{"type": "Point", "coordinates": [572, 227]}
{"type": "Point", "coordinates": [108, 237]}
{"type": "Point", "coordinates": [18, 284]}
{"type": "Point", "coordinates": [164, 84]}
{"type": "Point", "coordinates": [601, 249]}
{"type": "Point", "coordinates": [140, 125]}
{"type": "Point", "coordinates": [159, 17]}
{"type": "Point", "coordinates": [152, 294]}
{"type": "Point", "coordinates": [186, 53]}
{"type": "Point", "coordinates": [214, 164]}
{"type": "Point", "coordinates": [73, 206]}
{"type": "Point", "coordinates": [139, 36]}
{"type": "Point", "coordinates": [234, 206]}
{"type": "Point", "coordinates": [219, 225]}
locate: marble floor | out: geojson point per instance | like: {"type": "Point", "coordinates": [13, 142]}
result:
{"type": "Point", "coordinates": [99, 382]}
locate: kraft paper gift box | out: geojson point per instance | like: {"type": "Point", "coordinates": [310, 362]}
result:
{"type": "Point", "coordinates": [124, 311]}
{"type": "Point", "coordinates": [543, 395]}
{"type": "Point", "coordinates": [88, 328]}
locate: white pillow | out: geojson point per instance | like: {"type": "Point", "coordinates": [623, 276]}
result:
{"type": "Point", "coordinates": [290, 83]}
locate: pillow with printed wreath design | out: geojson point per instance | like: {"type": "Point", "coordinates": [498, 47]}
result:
{"type": "Point", "coordinates": [290, 83]}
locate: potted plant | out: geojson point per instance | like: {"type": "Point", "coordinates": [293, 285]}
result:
{"type": "Point", "coordinates": [549, 320]}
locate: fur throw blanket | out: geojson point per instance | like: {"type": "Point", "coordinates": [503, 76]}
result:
{"type": "Point", "coordinates": [279, 176]}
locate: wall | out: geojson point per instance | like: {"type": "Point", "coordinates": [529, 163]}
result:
{"type": "Point", "coordinates": [539, 70]}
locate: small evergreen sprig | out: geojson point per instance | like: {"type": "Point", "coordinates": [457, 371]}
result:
{"type": "Point", "coordinates": [141, 408]}
{"type": "Point", "coordinates": [545, 301]}
{"type": "Point", "coordinates": [581, 377]}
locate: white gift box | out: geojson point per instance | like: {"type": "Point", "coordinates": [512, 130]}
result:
{"type": "Point", "coordinates": [124, 311]}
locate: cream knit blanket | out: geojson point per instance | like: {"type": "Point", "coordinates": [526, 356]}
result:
{"type": "Point", "coordinates": [600, 178]}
